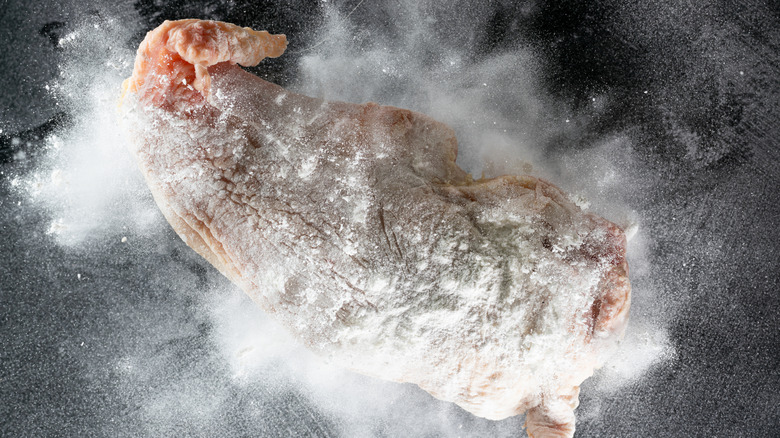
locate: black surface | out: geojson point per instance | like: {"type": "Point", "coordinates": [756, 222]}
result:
{"type": "Point", "coordinates": [694, 86]}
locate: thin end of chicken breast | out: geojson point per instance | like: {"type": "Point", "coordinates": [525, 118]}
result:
{"type": "Point", "coordinates": [171, 66]}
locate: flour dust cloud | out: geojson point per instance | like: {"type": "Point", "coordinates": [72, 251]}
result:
{"type": "Point", "coordinates": [206, 355]}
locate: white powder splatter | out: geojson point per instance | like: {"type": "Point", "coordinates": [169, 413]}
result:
{"type": "Point", "coordinates": [91, 186]}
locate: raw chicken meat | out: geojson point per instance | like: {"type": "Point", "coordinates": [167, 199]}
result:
{"type": "Point", "coordinates": [353, 226]}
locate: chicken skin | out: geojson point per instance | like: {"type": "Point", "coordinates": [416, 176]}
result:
{"type": "Point", "coordinates": [352, 225]}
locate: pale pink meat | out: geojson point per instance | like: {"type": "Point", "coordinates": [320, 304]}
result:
{"type": "Point", "coordinates": [353, 226]}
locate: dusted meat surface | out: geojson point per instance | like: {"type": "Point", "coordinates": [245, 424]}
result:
{"type": "Point", "coordinates": [353, 226]}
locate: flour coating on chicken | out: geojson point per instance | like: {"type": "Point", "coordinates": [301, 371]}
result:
{"type": "Point", "coordinates": [353, 226]}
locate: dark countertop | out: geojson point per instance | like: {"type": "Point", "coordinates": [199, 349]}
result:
{"type": "Point", "coordinates": [662, 112]}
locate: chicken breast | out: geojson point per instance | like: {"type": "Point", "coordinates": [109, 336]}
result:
{"type": "Point", "coordinates": [353, 226]}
